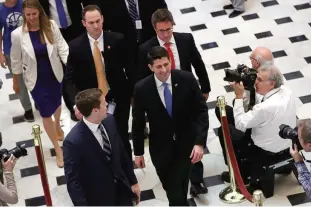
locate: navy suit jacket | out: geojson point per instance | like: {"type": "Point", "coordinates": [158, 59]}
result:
{"type": "Point", "coordinates": [91, 179]}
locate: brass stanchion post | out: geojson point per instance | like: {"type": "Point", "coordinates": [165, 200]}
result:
{"type": "Point", "coordinates": [41, 163]}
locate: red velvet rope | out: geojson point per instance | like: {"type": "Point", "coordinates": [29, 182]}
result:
{"type": "Point", "coordinates": [44, 179]}
{"type": "Point", "coordinates": [234, 164]}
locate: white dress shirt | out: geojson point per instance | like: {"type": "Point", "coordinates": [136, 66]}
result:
{"type": "Point", "coordinates": [160, 88]}
{"type": "Point", "coordinates": [137, 6]}
{"type": "Point", "coordinates": [174, 50]}
{"type": "Point", "coordinates": [54, 13]}
{"type": "Point", "coordinates": [96, 132]}
{"type": "Point", "coordinates": [278, 107]}
{"type": "Point", "coordinates": [100, 41]}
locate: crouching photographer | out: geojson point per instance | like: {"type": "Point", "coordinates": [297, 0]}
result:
{"type": "Point", "coordinates": [8, 191]}
{"type": "Point", "coordinates": [262, 143]}
{"type": "Point", "coordinates": [304, 137]}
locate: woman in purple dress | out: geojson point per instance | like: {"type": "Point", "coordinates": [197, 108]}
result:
{"type": "Point", "coordinates": [37, 50]}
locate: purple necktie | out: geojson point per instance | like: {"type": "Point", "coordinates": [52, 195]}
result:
{"type": "Point", "coordinates": [61, 14]}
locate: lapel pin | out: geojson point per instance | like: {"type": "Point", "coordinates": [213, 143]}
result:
{"type": "Point", "coordinates": [176, 84]}
{"type": "Point", "coordinates": [108, 47]}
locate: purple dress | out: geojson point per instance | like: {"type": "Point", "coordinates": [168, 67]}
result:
{"type": "Point", "coordinates": [47, 92]}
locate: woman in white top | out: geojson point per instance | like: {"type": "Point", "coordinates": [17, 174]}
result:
{"type": "Point", "coordinates": [37, 50]}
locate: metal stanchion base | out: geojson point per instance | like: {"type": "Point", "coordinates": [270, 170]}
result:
{"type": "Point", "coordinates": [230, 196]}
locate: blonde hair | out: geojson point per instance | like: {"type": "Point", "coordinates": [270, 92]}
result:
{"type": "Point", "coordinates": [44, 22]}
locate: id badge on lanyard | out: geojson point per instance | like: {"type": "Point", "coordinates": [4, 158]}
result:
{"type": "Point", "coordinates": [111, 107]}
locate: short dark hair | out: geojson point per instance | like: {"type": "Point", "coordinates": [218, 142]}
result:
{"type": "Point", "coordinates": [155, 53]}
{"type": "Point", "coordinates": [162, 15]}
{"type": "Point", "coordinates": [88, 100]}
{"type": "Point", "coordinates": [90, 8]}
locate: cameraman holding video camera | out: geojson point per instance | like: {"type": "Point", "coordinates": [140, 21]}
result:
{"type": "Point", "coordinates": [277, 107]}
{"type": "Point", "coordinates": [304, 137]}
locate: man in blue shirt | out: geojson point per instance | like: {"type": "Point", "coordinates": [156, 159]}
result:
{"type": "Point", "coordinates": [10, 18]}
{"type": "Point", "coordinates": [304, 137]}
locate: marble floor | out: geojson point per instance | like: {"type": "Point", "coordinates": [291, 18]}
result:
{"type": "Point", "coordinates": [284, 26]}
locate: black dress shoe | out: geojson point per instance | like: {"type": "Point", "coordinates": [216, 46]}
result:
{"type": "Point", "coordinates": [73, 117]}
{"type": "Point", "coordinates": [225, 176]}
{"type": "Point", "coordinates": [197, 189]}
{"type": "Point", "coordinates": [230, 6]}
{"type": "Point", "coordinates": [28, 116]}
{"type": "Point", "coordinates": [235, 13]}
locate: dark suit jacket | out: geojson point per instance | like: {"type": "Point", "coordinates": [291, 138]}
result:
{"type": "Point", "coordinates": [81, 72]}
{"type": "Point", "coordinates": [170, 137]}
{"type": "Point", "coordinates": [74, 9]}
{"type": "Point", "coordinates": [117, 17]}
{"type": "Point", "coordinates": [89, 175]}
{"type": "Point", "coordinates": [188, 55]}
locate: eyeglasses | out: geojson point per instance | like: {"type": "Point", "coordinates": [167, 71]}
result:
{"type": "Point", "coordinates": [252, 58]}
{"type": "Point", "coordinates": [165, 30]}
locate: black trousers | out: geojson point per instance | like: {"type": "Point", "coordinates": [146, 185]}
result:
{"type": "Point", "coordinates": [196, 173]}
{"type": "Point", "coordinates": [175, 180]}
{"type": "Point", "coordinates": [121, 115]}
{"type": "Point", "coordinates": [69, 34]}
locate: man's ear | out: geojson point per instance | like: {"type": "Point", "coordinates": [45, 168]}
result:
{"type": "Point", "coordinates": [150, 67]}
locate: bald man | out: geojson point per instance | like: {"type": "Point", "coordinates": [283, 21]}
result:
{"type": "Point", "coordinates": [261, 56]}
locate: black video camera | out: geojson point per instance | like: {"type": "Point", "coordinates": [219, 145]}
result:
{"type": "Point", "coordinates": [286, 132]}
{"type": "Point", "coordinates": [17, 152]}
{"type": "Point", "coordinates": [243, 73]}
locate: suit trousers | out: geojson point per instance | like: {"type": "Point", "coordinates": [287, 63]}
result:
{"type": "Point", "coordinates": [175, 180]}
{"type": "Point", "coordinates": [69, 34]}
{"type": "Point", "coordinates": [238, 5]}
{"type": "Point", "coordinates": [121, 115]}
{"type": "Point", "coordinates": [23, 94]}
{"type": "Point", "coordinates": [196, 174]}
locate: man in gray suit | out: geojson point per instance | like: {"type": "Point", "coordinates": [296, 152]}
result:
{"type": "Point", "coordinates": [238, 7]}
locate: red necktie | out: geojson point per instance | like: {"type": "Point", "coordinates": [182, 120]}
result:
{"type": "Point", "coordinates": [170, 54]}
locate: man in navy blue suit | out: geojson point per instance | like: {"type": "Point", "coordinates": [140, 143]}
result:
{"type": "Point", "coordinates": [98, 170]}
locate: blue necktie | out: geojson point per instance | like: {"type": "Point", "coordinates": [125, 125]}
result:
{"type": "Point", "coordinates": [134, 16]}
{"type": "Point", "coordinates": [61, 14]}
{"type": "Point", "coordinates": [167, 98]}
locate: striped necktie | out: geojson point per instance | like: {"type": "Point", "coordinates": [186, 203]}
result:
{"type": "Point", "coordinates": [106, 143]}
{"type": "Point", "coordinates": [134, 16]}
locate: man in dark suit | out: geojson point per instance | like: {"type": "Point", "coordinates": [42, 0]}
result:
{"type": "Point", "coordinates": [183, 53]}
{"type": "Point", "coordinates": [72, 26]}
{"type": "Point", "coordinates": [132, 18]}
{"type": "Point", "coordinates": [81, 70]}
{"type": "Point", "coordinates": [98, 170]}
{"type": "Point", "coordinates": [178, 121]}
{"type": "Point", "coordinates": [67, 14]}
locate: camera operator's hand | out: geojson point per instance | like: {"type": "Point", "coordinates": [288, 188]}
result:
{"type": "Point", "coordinates": [238, 89]}
{"type": "Point", "coordinates": [8, 166]}
{"type": "Point", "coordinates": [295, 153]}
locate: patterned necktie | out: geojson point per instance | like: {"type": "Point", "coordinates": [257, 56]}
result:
{"type": "Point", "coordinates": [61, 14]}
{"type": "Point", "coordinates": [106, 143]}
{"type": "Point", "coordinates": [99, 66]}
{"type": "Point", "coordinates": [170, 54]}
{"type": "Point", "coordinates": [167, 98]}
{"type": "Point", "coordinates": [134, 16]}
